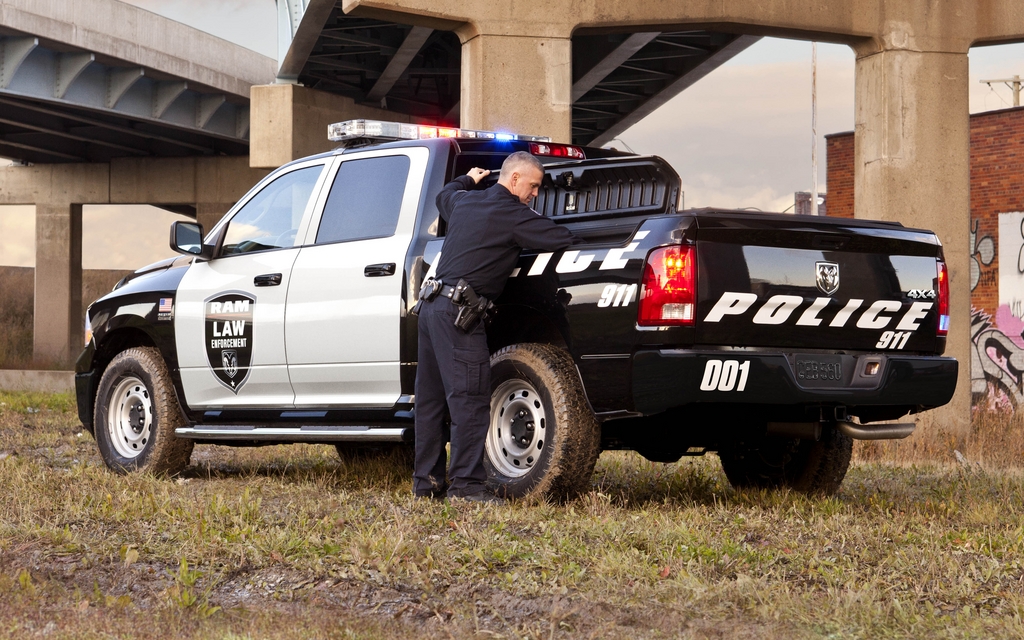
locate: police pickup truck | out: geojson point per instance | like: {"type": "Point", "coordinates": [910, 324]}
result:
{"type": "Point", "coordinates": [773, 340]}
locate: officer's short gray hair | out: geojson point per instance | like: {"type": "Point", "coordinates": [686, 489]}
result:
{"type": "Point", "coordinates": [517, 162]}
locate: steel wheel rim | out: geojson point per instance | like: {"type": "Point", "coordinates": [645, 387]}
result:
{"type": "Point", "coordinates": [515, 404]}
{"type": "Point", "coordinates": [130, 417]}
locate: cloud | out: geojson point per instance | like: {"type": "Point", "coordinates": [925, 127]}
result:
{"type": "Point", "coordinates": [741, 137]}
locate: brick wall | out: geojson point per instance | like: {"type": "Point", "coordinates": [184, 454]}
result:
{"type": "Point", "coordinates": [997, 186]}
{"type": "Point", "coordinates": [839, 169]}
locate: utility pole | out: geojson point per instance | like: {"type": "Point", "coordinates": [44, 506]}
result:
{"type": "Point", "coordinates": [1013, 83]}
{"type": "Point", "coordinates": [814, 128]}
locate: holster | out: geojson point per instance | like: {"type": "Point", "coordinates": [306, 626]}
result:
{"type": "Point", "coordinates": [472, 308]}
{"type": "Point", "coordinates": [428, 291]}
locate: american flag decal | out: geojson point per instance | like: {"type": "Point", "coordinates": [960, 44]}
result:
{"type": "Point", "coordinates": [165, 305]}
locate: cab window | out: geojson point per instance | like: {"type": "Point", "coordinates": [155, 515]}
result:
{"type": "Point", "coordinates": [271, 218]}
{"type": "Point", "coordinates": [365, 200]}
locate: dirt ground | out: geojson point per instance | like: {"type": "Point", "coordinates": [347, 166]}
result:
{"type": "Point", "coordinates": [293, 542]}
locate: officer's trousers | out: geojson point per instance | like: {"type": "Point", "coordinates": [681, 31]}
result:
{"type": "Point", "coordinates": [453, 372]}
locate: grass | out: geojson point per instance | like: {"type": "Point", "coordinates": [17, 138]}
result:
{"type": "Point", "coordinates": [291, 542]}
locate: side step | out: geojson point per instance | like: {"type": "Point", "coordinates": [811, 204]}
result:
{"type": "Point", "coordinates": [308, 433]}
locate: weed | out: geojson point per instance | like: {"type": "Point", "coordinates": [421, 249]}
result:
{"type": "Point", "coordinates": [184, 595]}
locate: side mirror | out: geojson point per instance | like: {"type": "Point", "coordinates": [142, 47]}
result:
{"type": "Point", "coordinates": [187, 238]}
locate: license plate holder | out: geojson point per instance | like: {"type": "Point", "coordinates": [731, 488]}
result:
{"type": "Point", "coordinates": [819, 371]}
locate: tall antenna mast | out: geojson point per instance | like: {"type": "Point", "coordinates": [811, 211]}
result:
{"type": "Point", "coordinates": [814, 128]}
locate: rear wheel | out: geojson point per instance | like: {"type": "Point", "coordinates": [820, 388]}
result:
{"type": "Point", "coordinates": [542, 437]}
{"type": "Point", "coordinates": [814, 467]}
{"type": "Point", "coordinates": [136, 415]}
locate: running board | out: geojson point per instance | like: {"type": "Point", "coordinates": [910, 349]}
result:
{"type": "Point", "coordinates": [310, 433]}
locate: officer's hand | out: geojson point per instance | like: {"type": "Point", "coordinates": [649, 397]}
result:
{"type": "Point", "coordinates": [478, 174]}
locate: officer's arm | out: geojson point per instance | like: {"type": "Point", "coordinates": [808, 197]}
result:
{"type": "Point", "coordinates": [451, 193]}
{"type": "Point", "coordinates": [533, 231]}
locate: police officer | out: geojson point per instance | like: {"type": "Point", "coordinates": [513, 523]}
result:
{"type": "Point", "coordinates": [487, 229]}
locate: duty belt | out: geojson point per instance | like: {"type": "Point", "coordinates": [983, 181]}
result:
{"type": "Point", "coordinates": [448, 291]}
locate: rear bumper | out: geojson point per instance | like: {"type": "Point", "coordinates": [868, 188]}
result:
{"type": "Point", "coordinates": [668, 378]}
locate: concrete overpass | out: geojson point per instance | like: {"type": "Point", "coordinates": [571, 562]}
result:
{"type": "Point", "coordinates": [109, 104]}
{"type": "Point", "coordinates": [87, 81]}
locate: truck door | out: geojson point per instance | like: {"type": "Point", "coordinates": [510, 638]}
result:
{"type": "Point", "coordinates": [229, 316]}
{"type": "Point", "coordinates": [345, 298]}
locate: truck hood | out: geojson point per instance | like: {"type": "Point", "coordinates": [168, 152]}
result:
{"type": "Point", "coordinates": [177, 262]}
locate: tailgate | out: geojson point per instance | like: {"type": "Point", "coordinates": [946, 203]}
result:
{"type": "Point", "coordinates": [816, 283]}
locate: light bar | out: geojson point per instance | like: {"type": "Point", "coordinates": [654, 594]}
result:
{"type": "Point", "coordinates": [380, 130]}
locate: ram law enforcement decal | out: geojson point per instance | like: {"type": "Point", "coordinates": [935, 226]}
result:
{"type": "Point", "coordinates": [229, 337]}
{"type": "Point", "coordinates": [827, 276]}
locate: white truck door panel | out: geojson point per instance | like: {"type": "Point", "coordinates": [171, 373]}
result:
{"type": "Point", "coordinates": [208, 375]}
{"type": "Point", "coordinates": [230, 311]}
{"type": "Point", "coordinates": [342, 324]}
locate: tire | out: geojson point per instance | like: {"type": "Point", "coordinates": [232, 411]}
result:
{"type": "Point", "coordinates": [551, 442]}
{"type": "Point", "coordinates": [136, 415]}
{"type": "Point", "coordinates": [801, 465]}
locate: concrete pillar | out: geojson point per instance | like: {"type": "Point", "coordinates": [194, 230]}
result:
{"type": "Point", "coordinates": [58, 331]}
{"type": "Point", "coordinates": [516, 83]}
{"type": "Point", "coordinates": [289, 121]}
{"type": "Point", "coordinates": [912, 165]}
{"type": "Point", "coordinates": [209, 214]}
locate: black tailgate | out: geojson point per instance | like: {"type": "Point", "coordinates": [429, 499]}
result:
{"type": "Point", "coordinates": [770, 280]}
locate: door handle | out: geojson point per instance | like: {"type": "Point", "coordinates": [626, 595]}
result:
{"type": "Point", "coordinates": [377, 270]}
{"type": "Point", "coordinates": [267, 280]}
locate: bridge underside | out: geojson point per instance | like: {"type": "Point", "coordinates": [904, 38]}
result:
{"type": "Point", "coordinates": [39, 132]}
{"type": "Point", "coordinates": [617, 78]}
{"type": "Point", "coordinates": [59, 103]}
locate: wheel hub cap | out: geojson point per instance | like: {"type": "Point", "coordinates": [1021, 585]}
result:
{"type": "Point", "coordinates": [130, 417]}
{"type": "Point", "coordinates": [522, 427]}
{"type": "Point", "coordinates": [516, 435]}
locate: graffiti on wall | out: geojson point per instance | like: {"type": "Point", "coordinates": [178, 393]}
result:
{"type": "Point", "coordinates": [997, 358]}
{"type": "Point", "coordinates": [997, 365]}
{"type": "Point", "coordinates": [983, 252]}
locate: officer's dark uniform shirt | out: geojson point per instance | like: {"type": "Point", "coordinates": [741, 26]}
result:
{"type": "Point", "coordinates": [487, 229]}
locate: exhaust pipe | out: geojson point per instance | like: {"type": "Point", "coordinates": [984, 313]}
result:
{"type": "Point", "coordinates": [812, 430]}
{"type": "Point", "coordinates": [877, 432]}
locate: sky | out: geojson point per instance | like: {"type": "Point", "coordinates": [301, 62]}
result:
{"type": "Point", "coordinates": [740, 137]}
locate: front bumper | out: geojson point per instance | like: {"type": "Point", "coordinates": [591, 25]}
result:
{"type": "Point", "coordinates": [668, 378]}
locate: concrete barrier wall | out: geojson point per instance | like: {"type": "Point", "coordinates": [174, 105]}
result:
{"type": "Point", "coordinates": [31, 380]}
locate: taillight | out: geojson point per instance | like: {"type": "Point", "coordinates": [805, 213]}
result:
{"type": "Point", "coordinates": [669, 292]}
{"type": "Point", "coordinates": [557, 150]}
{"type": "Point", "coordinates": [943, 299]}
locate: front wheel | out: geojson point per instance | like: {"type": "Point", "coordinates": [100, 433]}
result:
{"type": "Point", "coordinates": [136, 415]}
{"type": "Point", "coordinates": [542, 437]}
{"type": "Point", "coordinates": [813, 467]}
